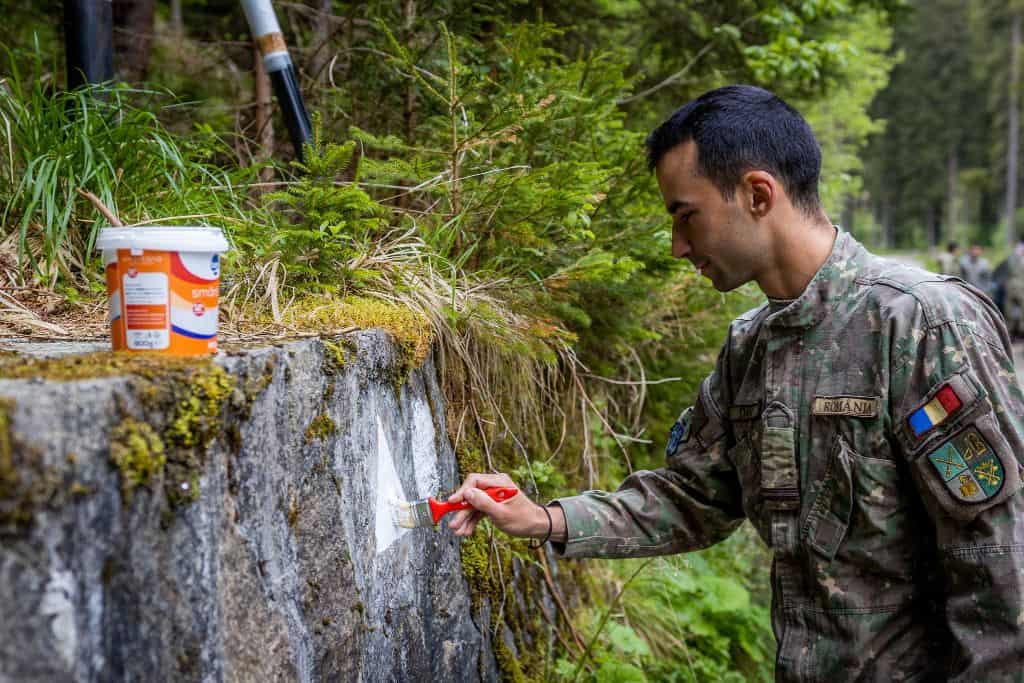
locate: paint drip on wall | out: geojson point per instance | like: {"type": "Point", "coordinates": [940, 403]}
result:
{"type": "Point", "coordinates": [389, 490]}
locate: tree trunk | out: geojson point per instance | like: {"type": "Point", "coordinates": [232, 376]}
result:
{"type": "Point", "coordinates": [322, 32]}
{"type": "Point", "coordinates": [264, 118]}
{"type": "Point", "coordinates": [951, 192]}
{"type": "Point", "coordinates": [177, 20]}
{"type": "Point", "coordinates": [887, 231]}
{"type": "Point", "coordinates": [846, 217]}
{"type": "Point", "coordinates": [1013, 129]}
{"type": "Point", "coordinates": [408, 20]}
{"type": "Point", "coordinates": [133, 37]}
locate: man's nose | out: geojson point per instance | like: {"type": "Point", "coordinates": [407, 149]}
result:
{"type": "Point", "coordinates": [680, 246]}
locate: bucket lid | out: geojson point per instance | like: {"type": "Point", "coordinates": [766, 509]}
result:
{"type": "Point", "coordinates": [163, 238]}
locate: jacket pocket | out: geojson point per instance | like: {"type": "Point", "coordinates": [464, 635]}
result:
{"type": "Point", "coordinates": [860, 519]}
{"type": "Point", "coordinates": [829, 517]}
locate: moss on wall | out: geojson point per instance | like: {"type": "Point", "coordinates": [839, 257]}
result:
{"type": "Point", "coordinates": [181, 399]}
{"type": "Point", "coordinates": [321, 427]}
{"type": "Point", "coordinates": [26, 482]}
{"type": "Point", "coordinates": [138, 453]}
{"type": "Point", "coordinates": [411, 330]}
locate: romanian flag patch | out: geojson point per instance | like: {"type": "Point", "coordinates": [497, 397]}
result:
{"type": "Point", "coordinates": [934, 412]}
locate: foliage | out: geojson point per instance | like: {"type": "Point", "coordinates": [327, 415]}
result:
{"type": "Point", "coordinates": [325, 223]}
{"type": "Point", "coordinates": [938, 172]}
{"type": "Point", "coordinates": [696, 618]}
{"type": "Point", "coordinates": [57, 143]}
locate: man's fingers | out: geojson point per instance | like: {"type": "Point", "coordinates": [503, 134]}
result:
{"type": "Point", "coordinates": [480, 481]}
{"type": "Point", "coordinates": [459, 518]}
{"type": "Point", "coordinates": [481, 501]}
{"type": "Point", "coordinates": [470, 526]}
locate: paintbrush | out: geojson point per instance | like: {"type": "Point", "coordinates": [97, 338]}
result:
{"type": "Point", "coordinates": [429, 511]}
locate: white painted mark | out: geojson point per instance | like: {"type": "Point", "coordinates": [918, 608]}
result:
{"type": "Point", "coordinates": [389, 489]}
{"type": "Point", "coordinates": [424, 455]}
{"type": "Point", "coordinates": [57, 605]}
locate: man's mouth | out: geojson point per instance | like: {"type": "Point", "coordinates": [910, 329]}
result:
{"type": "Point", "coordinates": [700, 266]}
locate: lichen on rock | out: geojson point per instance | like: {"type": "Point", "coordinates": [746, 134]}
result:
{"type": "Point", "coordinates": [138, 453]}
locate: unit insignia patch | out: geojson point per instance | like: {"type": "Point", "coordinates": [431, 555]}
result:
{"type": "Point", "coordinates": [680, 431]}
{"type": "Point", "coordinates": [968, 466]}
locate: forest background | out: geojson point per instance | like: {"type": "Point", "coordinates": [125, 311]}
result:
{"type": "Point", "coordinates": [477, 186]}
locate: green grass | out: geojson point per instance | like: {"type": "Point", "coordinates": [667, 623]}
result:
{"type": "Point", "coordinates": [101, 140]}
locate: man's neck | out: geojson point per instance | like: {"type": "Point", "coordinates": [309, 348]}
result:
{"type": "Point", "coordinates": [799, 250]}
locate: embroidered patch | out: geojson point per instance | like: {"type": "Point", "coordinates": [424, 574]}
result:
{"type": "Point", "coordinates": [680, 433]}
{"type": "Point", "coordinates": [744, 411]}
{"type": "Point", "coordinates": [968, 466]}
{"type": "Point", "coordinates": [850, 406]}
{"type": "Point", "coordinates": [934, 412]}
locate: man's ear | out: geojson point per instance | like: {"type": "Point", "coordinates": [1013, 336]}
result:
{"type": "Point", "coordinates": [762, 192]}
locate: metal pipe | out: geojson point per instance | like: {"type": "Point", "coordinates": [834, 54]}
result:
{"type": "Point", "coordinates": [278, 63]}
{"type": "Point", "coordinates": [89, 41]}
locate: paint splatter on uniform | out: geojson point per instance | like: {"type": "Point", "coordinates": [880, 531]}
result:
{"type": "Point", "coordinates": [871, 430]}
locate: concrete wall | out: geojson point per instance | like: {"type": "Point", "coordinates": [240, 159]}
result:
{"type": "Point", "coordinates": [286, 566]}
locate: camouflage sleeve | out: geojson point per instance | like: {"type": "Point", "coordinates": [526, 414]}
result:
{"type": "Point", "coordinates": [958, 418]}
{"type": "Point", "coordinates": [691, 503]}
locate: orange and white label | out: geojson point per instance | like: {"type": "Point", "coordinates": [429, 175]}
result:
{"type": "Point", "coordinates": [165, 301]}
{"type": "Point", "coordinates": [144, 286]}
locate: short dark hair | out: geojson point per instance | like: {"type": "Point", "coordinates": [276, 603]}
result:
{"type": "Point", "coordinates": [952, 246]}
{"type": "Point", "coordinates": [739, 128]}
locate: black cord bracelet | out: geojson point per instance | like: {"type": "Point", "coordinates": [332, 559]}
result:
{"type": "Point", "coordinates": [547, 536]}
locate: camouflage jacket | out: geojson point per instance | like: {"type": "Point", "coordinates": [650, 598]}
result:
{"type": "Point", "coordinates": [871, 430]}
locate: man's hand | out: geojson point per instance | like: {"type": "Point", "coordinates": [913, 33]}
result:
{"type": "Point", "coordinates": [517, 516]}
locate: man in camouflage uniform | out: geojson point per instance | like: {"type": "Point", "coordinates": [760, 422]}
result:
{"type": "Point", "coordinates": [866, 420]}
{"type": "Point", "coordinates": [1013, 298]}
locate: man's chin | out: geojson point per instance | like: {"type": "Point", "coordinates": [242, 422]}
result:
{"type": "Point", "coordinates": [722, 285]}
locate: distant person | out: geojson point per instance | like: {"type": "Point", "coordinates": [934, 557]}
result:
{"type": "Point", "coordinates": [976, 269]}
{"type": "Point", "coordinates": [864, 419]}
{"type": "Point", "coordinates": [1013, 299]}
{"type": "Point", "coordinates": [949, 260]}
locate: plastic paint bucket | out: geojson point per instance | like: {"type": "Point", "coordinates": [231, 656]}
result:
{"type": "Point", "coordinates": [163, 284]}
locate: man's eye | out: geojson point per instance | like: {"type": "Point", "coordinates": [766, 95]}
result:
{"type": "Point", "coordinates": [685, 217]}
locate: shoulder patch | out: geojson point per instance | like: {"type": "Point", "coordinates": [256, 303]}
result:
{"type": "Point", "coordinates": [969, 466]}
{"type": "Point", "coordinates": [680, 433]}
{"type": "Point", "coordinates": [934, 412]}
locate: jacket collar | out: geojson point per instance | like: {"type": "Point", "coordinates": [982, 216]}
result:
{"type": "Point", "coordinates": [834, 278]}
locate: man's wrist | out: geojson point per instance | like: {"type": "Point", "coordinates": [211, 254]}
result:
{"type": "Point", "coordinates": [559, 529]}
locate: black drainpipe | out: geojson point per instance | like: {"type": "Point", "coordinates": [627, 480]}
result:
{"type": "Point", "coordinates": [89, 41]}
{"type": "Point", "coordinates": [276, 60]}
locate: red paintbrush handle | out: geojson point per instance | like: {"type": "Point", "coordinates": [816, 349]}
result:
{"type": "Point", "coordinates": [497, 493]}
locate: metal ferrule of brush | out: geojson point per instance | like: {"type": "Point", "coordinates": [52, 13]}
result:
{"type": "Point", "coordinates": [421, 514]}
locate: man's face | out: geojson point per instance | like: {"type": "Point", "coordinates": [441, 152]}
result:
{"type": "Point", "coordinates": [975, 252]}
{"type": "Point", "coordinates": [718, 236]}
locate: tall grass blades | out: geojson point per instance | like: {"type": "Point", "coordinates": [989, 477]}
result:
{"type": "Point", "coordinates": [93, 138]}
